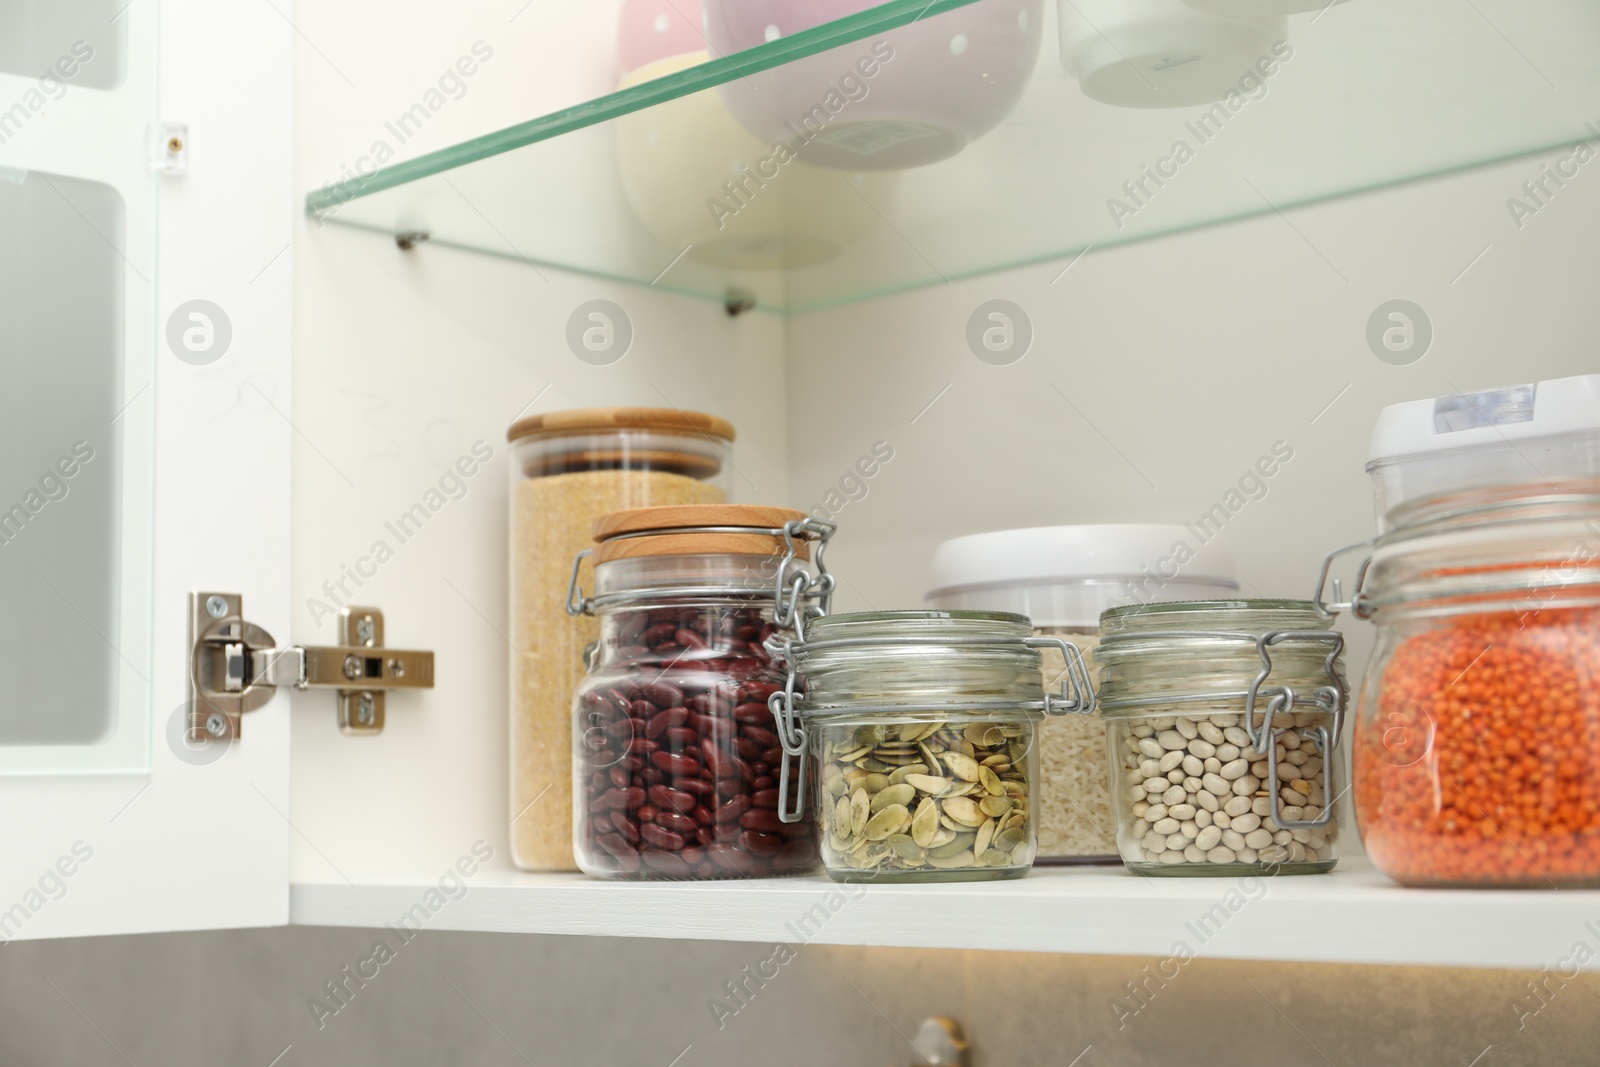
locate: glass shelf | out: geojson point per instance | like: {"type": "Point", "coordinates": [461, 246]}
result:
{"type": "Point", "coordinates": [916, 143]}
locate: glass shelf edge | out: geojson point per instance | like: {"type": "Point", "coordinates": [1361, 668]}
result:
{"type": "Point", "coordinates": [886, 16]}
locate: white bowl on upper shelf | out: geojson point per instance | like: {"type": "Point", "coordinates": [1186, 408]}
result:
{"type": "Point", "coordinates": [1261, 7]}
{"type": "Point", "coordinates": [1165, 53]}
{"type": "Point", "coordinates": [677, 160]}
{"type": "Point", "coordinates": [906, 98]}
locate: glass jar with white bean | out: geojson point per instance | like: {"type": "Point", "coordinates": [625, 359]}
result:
{"type": "Point", "coordinates": [1222, 718]}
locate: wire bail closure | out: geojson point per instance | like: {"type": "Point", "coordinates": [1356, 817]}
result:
{"type": "Point", "coordinates": [1281, 700]}
{"type": "Point", "coordinates": [792, 584]}
{"type": "Point", "coordinates": [799, 596]}
{"type": "Point", "coordinates": [1076, 697]}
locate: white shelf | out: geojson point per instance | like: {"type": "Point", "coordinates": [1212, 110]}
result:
{"type": "Point", "coordinates": [1353, 915]}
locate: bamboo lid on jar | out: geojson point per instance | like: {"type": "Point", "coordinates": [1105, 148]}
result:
{"type": "Point", "coordinates": [678, 530]}
{"type": "Point", "coordinates": [601, 420]}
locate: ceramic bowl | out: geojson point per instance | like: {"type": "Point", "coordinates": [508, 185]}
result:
{"type": "Point", "coordinates": [653, 30]}
{"type": "Point", "coordinates": [906, 98]}
{"type": "Point", "coordinates": [1165, 53]}
{"type": "Point", "coordinates": [1261, 7]}
{"type": "Point", "coordinates": [694, 176]}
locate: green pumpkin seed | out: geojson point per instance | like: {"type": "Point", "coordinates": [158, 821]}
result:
{"type": "Point", "coordinates": [859, 806]}
{"type": "Point", "coordinates": [960, 859]}
{"type": "Point", "coordinates": [995, 807]}
{"type": "Point", "coordinates": [927, 783]}
{"type": "Point", "coordinates": [886, 822]}
{"type": "Point", "coordinates": [957, 844]}
{"type": "Point", "coordinates": [842, 817]}
{"type": "Point", "coordinates": [1009, 839]}
{"type": "Point", "coordinates": [911, 768]}
{"type": "Point", "coordinates": [893, 794]}
{"type": "Point", "coordinates": [906, 848]}
{"type": "Point", "coordinates": [991, 782]}
{"type": "Point", "coordinates": [874, 782]}
{"type": "Point", "coordinates": [995, 858]}
{"type": "Point", "coordinates": [962, 766]}
{"type": "Point", "coordinates": [963, 811]}
{"type": "Point", "coordinates": [925, 824]}
{"type": "Point", "coordinates": [980, 843]}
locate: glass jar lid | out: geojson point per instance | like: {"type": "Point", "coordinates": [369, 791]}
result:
{"type": "Point", "coordinates": [700, 550]}
{"type": "Point", "coordinates": [1518, 547]}
{"type": "Point", "coordinates": [1260, 654]}
{"type": "Point", "coordinates": [897, 661]}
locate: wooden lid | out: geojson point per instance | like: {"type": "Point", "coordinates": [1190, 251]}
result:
{"type": "Point", "coordinates": [600, 420]}
{"type": "Point", "coordinates": [677, 538]}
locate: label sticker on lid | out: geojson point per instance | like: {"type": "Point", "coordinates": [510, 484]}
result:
{"type": "Point", "coordinates": [1493, 407]}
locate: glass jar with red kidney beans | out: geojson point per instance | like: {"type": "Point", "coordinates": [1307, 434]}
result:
{"type": "Point", "coordinates": [676, 759]}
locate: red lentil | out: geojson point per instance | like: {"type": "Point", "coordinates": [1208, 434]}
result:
{"type": "Point", "coordinates": [1481, 763]}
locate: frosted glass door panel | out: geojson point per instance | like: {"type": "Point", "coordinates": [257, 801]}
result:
{"type": "Point", "coordinates": [60, 386]}
{"type": "Point", "coordinates": [78, 199]}
{"type": "Point", "coordinates": [64, 42]}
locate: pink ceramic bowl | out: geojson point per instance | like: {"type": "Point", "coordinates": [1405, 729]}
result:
{"type": "Point", "coordinates": [905, 98]}
{"type": "Point", "coordinates": [652, 30]}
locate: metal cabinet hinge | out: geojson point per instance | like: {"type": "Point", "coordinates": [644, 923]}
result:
{"type": "Point", "coordinates": [235, 666]}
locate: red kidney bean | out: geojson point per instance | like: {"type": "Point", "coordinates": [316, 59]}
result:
{"type": "Point", "coordinates": [754, 714]}
{"type": "Point", "coordinates": [675, 799]}
{"type": "Point", "coordinates": [761, 844]}
{"type": "Point", "coordinates": [772, 756]}
{"type": "Point", "coordinates": [625, 826]}
{"type": "Point", "coordinates": [666, 863]}
{"type": "Point", "coordinates": [682, 766]}
{"type": "Point", "coordinates": [763, 819]}
{"type": "Point", "coordinates": [678, 824]}
{"type": "Point", "coordinates": [760, 735]}
{"type": "Point", "coordinates": [730, 859]}
{"type": "Point", "coordinates": [656, 837]}
{"type": "Point", "coordinates": [734, 808]}
{"type": "Point", "coordinates": [662, 694]}
{"type": "Point", "coordinates": [664, 721]}
{"type": "Point", "coordinates": [679, 746]}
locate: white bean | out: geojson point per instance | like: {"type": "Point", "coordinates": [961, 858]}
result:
{"type": "Point", "coordinates": [1207, 838]}
{"type": "Point", "coordinates": [1188, 729]}
{"type": "Point", "coordinates": [1206, 800]}
{"type": "Point", "coordinates": [1234, 770]}
{"type": "Point", "coordinates": [1170, 739]}
{"type": "Point", "coordinates": [1169, 760]}
{"type": "Point", "coordinates": [1211, 732]}
{"type": "Point", "coordinates": [1258, 838]}
{"type": "Point", "coordinates": [1202, 748]}
{"type": "Point", "coordinates": [1216, 785]}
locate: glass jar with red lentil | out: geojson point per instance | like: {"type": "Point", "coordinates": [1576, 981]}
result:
{"type": "Point", "coordinates": [1477, 740]}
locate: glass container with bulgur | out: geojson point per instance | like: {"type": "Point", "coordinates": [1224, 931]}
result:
{"type": "Point", "coordinates": [569, 468]}
{"type": "Point", "coordinates": [1062, 578]}
{"type": "Point", "coordinates": [922, 726]}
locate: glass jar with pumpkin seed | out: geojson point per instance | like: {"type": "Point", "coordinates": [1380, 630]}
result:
{"type": "Point", "coordinates": [923, 724]}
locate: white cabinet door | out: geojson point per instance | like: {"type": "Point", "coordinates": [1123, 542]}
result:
{"type": "Point", "coordinates": [145, 432]}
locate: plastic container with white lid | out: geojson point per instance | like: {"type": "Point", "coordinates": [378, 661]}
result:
{"type": "Point", "coordinates": [1522, 434]}
{"type": "Point", "coordinates": [1062, 578]}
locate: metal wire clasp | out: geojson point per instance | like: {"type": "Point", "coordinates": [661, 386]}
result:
{"type": "Point", "coordinates": [1077, 696]}
{"type": "Point", "coordinates": [1357, 604]}
{"type": "Point", "coordinates": [1281, 700]}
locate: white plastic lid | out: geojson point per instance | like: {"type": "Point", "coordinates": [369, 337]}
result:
{"type": "Point", "coordinates": [1068, 575]}
{"type": "Point", "coordinates": [1544, 431]}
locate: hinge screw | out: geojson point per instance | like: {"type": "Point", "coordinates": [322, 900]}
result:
{"type": "Point", "coordinates": [397, 669]}
{"type": "Point", "coordinates": [364, 709]}
{"type": "Point", "coordinates": [174, 145]}
{"type": "Point", "coordinates": [216, 606]}
{"type": "Point", "coordinates": [216, 725]}
{"type": "Point", "coordinates": [365, 630]}
{"type": "Point", "coordinates": [352, 666]}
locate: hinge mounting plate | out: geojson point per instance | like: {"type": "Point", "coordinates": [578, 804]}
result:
{"type": "Point", "coordinates": [235, 666]}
